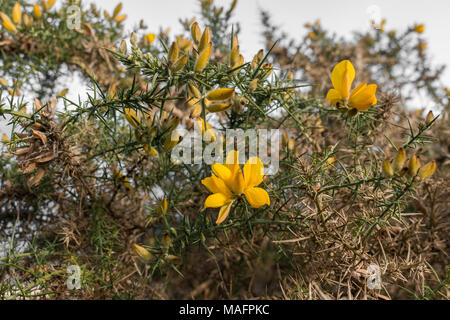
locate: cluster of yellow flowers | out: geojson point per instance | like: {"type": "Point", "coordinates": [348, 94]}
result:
{"type": "Point", "coordinates": [24, 19]}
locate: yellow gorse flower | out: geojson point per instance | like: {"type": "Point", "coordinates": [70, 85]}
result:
{"type": "Point", "coordinates": [361, 98]}
{"type": "Point", "coordinates": [228, 182]}
{"type": "Point", "coordinates": [420, 28]}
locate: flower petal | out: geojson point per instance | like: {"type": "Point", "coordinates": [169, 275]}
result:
{"type": "Point", "coordinates": [334, 96]}
{"type": "Point", "coordinates": [253, 172]}
{"type": "Point", "coordinates": [216, 200]}
{"type": "Point", "coordinates": [221, 171]}
{"type": "Point", "coordinates": [257, 197]}
{"type": "Point", "coordinates": [363, 98]}
{"type": "Point", "coordinates": [342, 77]}
{"type": "Point", "coordinates": [216, 185]}
{"type": "Point", "coordinates": [224, 212]}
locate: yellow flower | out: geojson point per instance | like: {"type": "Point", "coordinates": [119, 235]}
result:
{"type": "Point", "coordinates": [420, 28]}
{"type": "Point", "coordinates": [361, 98]}
{"type": "Point", "coordinates": [150, 37]}
{"type": "Point", "coordinates": [228, 182]}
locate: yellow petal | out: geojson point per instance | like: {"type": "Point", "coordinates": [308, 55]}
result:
{"type": "Point", "coordinates": [257, 197]}
{"type": "Point", "coordinates": [237, 182]}
{"type": "Point", "coordinates": [216, 200]}
{"type": "Point", "coordinates": [221, 171]}
{"type": "Point", "coordinates": [150, 37]}
{"type": "Point", "coordinates": [216, 185]}
{"type": "Point", "coordinates": [342, 77]}
{"type": "Point", "coordinates": [334, 96]}
{"type": "Point", "coordinates": [253, 172]}
{"type": "Point", "coordinates": [224, 212]}
{"type": "Point", "coordinates": [364, 97]}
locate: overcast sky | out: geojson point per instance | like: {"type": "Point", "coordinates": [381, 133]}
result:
{"type": "Point", "coordinates": [342, 17]}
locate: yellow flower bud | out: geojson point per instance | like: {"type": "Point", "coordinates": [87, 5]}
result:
{"type": "Point", "coordinates": [162, 207]}
{"type": "Point", "coordinates": [117, 9]}
{"type": "Point", "coordinates": [180, 63]}
{"type": "Point", "coordinates": [218, 107]}
{"type": "Point", "coordinates": [123, 47]}
{"type": "Point", "coordinates": [132, 117]}
{"type": "Point", "coordinates": [205, 40]}
{"type": "Point", "coordinates": [3, 82]}
{"type": "Point", "coordinates": [196, 33]}
{"type": "Point", "coordinates": [27, 20]}
{"type": "Point", "coordinates": [234, 56]}
{"type": "Point", "coordinates": [413, 166]}
{"type": "Point", "coordinates": [17, 13]}
{"type": "Point", "coordinates": [291, 144]}
{"type": "Point", "coordinates": [50, 4]}
{"type": "Point", "coordinates": [427, 170]}
{"type": "Point", "coordinates": [419, 28]}
{"type": "Point", "coordinates": [172, 140]}
{"type": "Point", "coordinates": [151, 151]}
{"type": "Point", "coordinates": [193, 91]}
{"type": "Point", "coordinates": [253, 85]}
{"type": "Point", "coordinates": [7, 23]}
{"type": "Point", "coordinates": [220, 94]}
{"type": "Point", "coordinates": [173, 52]}
{"type": "Point", "coordinates": [37, 12]}
{"type": "Point", "coordinates": [399, 160]}
{"type": "Point", "coordinates": [203, 58]}
{"type": "Point", "coordinates": [387, 169]}
{"type": "Point", "coordinates": [142, 253]}
{"type": "Point", "coordinates": [5, 138]}
{"type": "Point", "coordinates": [62, 93]}
{"type": "Point", "coordinates": [284, 138]}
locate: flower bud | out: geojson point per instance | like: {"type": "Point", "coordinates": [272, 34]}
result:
{"type": "Point", "coordinates": [427, 170]}
{"type": "Point", "coordinates": [220, 94]}
{"type": "Point", "coordinates": [173, 53]}
{"type": "Point", "coordinates": [399, 160]}
{"type": "Point", "coordinates": [387, 169]}
{"type": "Point", "coordinates": [413, 166]}
{"type": "Point", "coordinates": [196, 33]}
{"type": "Point", "coordinates": [142, 253]}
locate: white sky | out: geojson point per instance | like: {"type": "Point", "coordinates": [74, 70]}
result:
{"type": "Point", "coordinates": [341, 16]}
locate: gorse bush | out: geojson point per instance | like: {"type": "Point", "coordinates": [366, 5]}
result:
{"type": "Point", "coordinates": [361, 182]}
